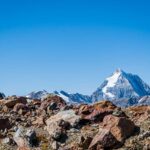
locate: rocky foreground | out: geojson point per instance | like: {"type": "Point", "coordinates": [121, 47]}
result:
{"type": "Point", "coordinates": [51, 124]}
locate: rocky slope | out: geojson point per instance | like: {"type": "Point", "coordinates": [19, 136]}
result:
{"type": "Point", "coordinates": [52, 124]}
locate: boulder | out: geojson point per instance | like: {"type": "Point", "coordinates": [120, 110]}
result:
{"type": "Point", "coordinates": [31, 137]}
{"type": "Point", "coordinates": [57, 124]}
{"type": "Point", "coordinates": [19, 106]}
{"type": "Point", "coordinates": [53, 102]}
{"type": "Point", "coordinates": [67, 115]}
{"type": "Point", "coordinates": [25, 139]}
{"type": "Point", "coordinates": [103, 139]}
{"type": "Point", "coordinates": [5, 124]}
{"type": "Point", "coordinates": [120, 127]}
{"type": "Point", "coordinates": [10, 103]}
{"type": "Point", "coordinates": [55, 131]}
{"type": "Point", "coordinates": [97, 111]}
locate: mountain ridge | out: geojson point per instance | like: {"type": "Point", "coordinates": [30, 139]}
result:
{"type": "Point", "coordinates": [121, 85]}
{"type": "Point", "coordinates": [123, 89]}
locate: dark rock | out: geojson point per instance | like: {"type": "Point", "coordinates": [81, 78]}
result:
{"type": "Point", "coordinates": [52, 106]}
{"type": "Point", "coordinates": [64, 124]}
{"type": "Point", "coordinates": [2, 96]}
{"type": "Point", "coordinates": [85, 142]}
{"type": "Point", "coordinates": [5, 124]}
{"type": "Point", "coordinates": [31, 138]}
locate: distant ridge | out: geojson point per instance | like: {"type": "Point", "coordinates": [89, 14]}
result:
{"type": "Point", "coordinates": [123, 89]}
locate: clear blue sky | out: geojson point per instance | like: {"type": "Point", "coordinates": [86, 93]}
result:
{"type": "Point", "coordinates": [71, 44]}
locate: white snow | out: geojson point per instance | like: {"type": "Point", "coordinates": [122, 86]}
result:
{"type": "Point", "coordinates": [142, 99]}
{"type": "Point", "coordinates": [37, 94]}
{"type": "Point", "coordinates": [111, 83]}
{"type": "Point", "coordinates": [63, 97]}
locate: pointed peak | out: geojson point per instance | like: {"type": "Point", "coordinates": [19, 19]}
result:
{"type": "Point", "coordinates": [119, 71]}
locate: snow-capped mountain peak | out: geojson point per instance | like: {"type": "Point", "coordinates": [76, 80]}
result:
{"type": "Point", "coordinates": [37, 94]}
{"type": "Point", "coordinates": [121, 85]}
{"type": "Point", "coordinates": [111, 82]}
{"type": "Point", "coordinates": [124, 89]}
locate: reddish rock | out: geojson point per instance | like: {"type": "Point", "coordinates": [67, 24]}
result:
{"type": "Point", "coordinates": [19, 106]}
{"type": "Point", "coordinates": [96, 112]}
{"type": "Point", "coordinates": [10, 103]}
{"type": "Point", "coordinates": [120, 127]}
{"type": "Point", "coordinates": [52, 100]}
{"type": "Point", "coordinates": [139, 113]}
{"type": "Point", "coordinates": [104, 139]}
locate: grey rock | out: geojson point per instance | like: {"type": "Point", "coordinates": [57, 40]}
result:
{"type": "Point", "coordinates": [25, 137]}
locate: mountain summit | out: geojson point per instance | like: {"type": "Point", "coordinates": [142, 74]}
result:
{"type": "Point", "coordinates": [123, 89]}
{"type": "Point", "coordinates": [121, 85]}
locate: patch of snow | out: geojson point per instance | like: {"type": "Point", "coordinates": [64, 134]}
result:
{"type": "Point", "coordinates": [37, 95]}
{"type": "Point", "coordinates": [63, 97]}
{"type": "Point", "coordinates": [111, 81]}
